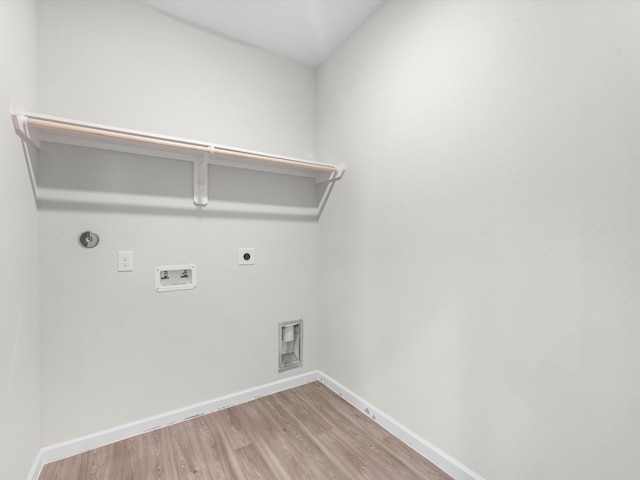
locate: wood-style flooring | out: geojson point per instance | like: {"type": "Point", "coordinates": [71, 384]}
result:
{"type": "Point", "coordinates": [307, 432]}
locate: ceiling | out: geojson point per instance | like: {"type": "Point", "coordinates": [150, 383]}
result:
{"type": "Point", "coordinates": [306, 31]}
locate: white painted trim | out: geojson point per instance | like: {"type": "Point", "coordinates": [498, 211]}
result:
{"type": "Point", "coordinates": [441, 459]}
{"type": "Point", "coordinates": [432, 453]}
{"type": "Point", "coordinates": [36, 468]}
{"type": "Point", "coordinates": [61, 450]}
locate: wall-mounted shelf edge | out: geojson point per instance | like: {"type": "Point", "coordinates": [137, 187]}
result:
{"type": "Point", "coordinates": [34, 129]}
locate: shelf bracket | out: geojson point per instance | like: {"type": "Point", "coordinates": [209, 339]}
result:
{"type": "Point", "coordinates": [20, 126]}
{"type": "Point", "coordinates": [201, 178]}
{"type": "Point", "coordinates": [339, 173]}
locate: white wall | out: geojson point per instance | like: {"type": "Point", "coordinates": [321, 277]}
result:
{"type": "Point", "coordinates": [113, 350]}
{"type": "Point", "coordinates": [19, 342]}
{"type": "Point", "coordinates": [124, 64]}
{"type": "Point", "coordinates": [478, 269]}
{"type": "Point", "coordinates": [480, 261]}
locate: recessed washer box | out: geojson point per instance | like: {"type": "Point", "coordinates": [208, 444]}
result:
{"type": "Point", "coordinates": [176, 277]}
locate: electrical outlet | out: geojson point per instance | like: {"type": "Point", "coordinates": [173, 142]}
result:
{"type": "Point", "coordinates": [125, 261]}
{"type": "Point", "coordinates": [246, 256]}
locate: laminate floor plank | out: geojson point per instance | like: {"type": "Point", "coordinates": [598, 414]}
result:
{"type": "Point", "coordinates": [305, 447]}
{"type": "Point", "coordinates": [285, 450]}
{"type": "Point", "coordinates": [143, 457]}
{"type": "Point", "coordinates": [218, 448]}
{"type": "Point", "coordinates": [305, 433]}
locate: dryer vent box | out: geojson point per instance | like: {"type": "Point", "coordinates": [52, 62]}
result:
{"type": "Point", "coordinates": [289, 345]}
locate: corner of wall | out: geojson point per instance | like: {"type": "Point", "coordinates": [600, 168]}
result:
{"type": "Point", "coordinates": [19, 322]}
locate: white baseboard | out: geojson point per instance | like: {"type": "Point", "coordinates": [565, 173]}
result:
{"type": "Point", "coordinates": [58, 451]}
{"type": "Point", "coordinates": [36, 467]}
{"type": "Point", "coordinates": [432, 453]}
